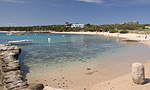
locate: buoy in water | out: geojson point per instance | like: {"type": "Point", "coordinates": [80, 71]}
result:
{"type": "Point", "coordinates": [49, 38]}
{"type": "Point", "coordinates": [48, 34]}
{"type": "Point", "coordinates": [28, 37]}
{"type": "Point", "coordinates": [86, 46]}
{"type": "Point", "coordinates": [63, 35]}
{"type": "Point", "coordinates": [26, 34]}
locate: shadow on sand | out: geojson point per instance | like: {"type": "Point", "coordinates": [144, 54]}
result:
{"type": "Point", "coordinates": [147, 80]}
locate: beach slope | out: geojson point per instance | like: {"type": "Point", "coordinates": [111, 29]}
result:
{"type": "Point", "coordinates": [125, 82]}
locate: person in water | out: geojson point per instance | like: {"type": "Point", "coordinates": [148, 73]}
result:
{"type": "Point", "coordinates": [145, 36]}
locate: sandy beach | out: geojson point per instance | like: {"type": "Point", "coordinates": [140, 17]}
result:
{"type": "Point", "coordinates": [128, 36]}
{"type": "Point", "coordinates": [123, 82]}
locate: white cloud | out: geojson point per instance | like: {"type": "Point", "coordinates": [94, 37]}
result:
{"type": "Point", "coordinates": [118, 2]}
{"type": "Point", "coordinates": [13, 1]}
{"type": "Point", "coordinates": [92, 1]}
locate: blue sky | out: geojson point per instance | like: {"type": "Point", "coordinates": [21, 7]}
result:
{"type": "Point", "coordinates": [49, 12]}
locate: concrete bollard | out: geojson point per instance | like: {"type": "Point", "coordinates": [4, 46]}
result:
{"type": "Point", "coordinates": [138, 73]}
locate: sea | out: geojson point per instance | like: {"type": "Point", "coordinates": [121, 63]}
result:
{"type": "Point", "coordinates": [64, 49]}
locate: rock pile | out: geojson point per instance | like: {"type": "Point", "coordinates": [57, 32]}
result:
{"type": "Point", "coordinates": [10, 68]}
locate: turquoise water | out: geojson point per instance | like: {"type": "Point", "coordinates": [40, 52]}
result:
{"type": "Point", "coordinates": [70, 50]}
{"type": "Point", "coordinates": [60, 50]}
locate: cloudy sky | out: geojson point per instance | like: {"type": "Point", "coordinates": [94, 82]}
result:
{"type": "Point", "coordinates": [48, 12]}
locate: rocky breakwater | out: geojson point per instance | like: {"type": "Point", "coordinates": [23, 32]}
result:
{"type": "Point", "coordinates": [10, 68]}
{"type": "Point", "coordinates": [11, 74]}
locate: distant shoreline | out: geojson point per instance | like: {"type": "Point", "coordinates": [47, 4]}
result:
{"type": "Point", "coordinates": [125, 37]}
{"type": "Point", "coordinates": [129, 36]}
{"type": "Point", "coordinates": [27, 31]}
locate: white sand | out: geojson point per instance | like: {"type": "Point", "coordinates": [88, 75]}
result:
{"type": "Point", "coordinates": [125, 82]}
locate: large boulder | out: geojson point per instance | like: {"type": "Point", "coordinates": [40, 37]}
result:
{"type": "Point", "coordinates": [35, 86]}
{"type": "Point", "coordinates": [138, 73]}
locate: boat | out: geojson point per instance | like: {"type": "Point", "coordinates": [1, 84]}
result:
{"type": "Point", "coordinates": [26, 41]}
{"type": "Point", "coordinates": [19, 34]}
{"type": "Point", "coordinates": [9, 33]}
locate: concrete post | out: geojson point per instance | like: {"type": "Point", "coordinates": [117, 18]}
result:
{"type": "Point", "coordinates": [138, 73]}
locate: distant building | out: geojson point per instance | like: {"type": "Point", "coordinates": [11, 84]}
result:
{"type": "Point", "coordinates": [147, 27]}
{"type": "Point", "coordinates": [132, 22]}
{"type": "Point", "coordinates": [78, 25]}
{"type": "Point", "coordinates": [120, 23]}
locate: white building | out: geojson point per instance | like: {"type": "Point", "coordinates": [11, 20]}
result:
{"type": "Point", "coordinates": [78, 25]}
{"type": "Point", "coordinates": [147, 27]}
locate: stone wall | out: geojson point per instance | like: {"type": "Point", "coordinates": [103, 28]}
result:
{"type": "Point", "coordinates": [10, 68]}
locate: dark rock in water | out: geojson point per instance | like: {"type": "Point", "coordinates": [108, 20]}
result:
{"type": "Point", "coordinates": [35, 86]}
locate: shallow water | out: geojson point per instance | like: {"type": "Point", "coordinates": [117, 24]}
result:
{"type": "Point", "coordinates": [59, 53]}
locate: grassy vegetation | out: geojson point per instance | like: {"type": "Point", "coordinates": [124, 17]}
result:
{"type": "Point", "coordinates": [124, 31]}
{"type": "Point", "coordinates": [88, 27]}
{"type": "Point", "coordinates": [113, 31]}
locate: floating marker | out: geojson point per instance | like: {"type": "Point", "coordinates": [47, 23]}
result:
{"type": "Point", "coordinates": [63, 35]}
{"type": "Point", "coordinates": [49, 38]}
{"type": "Point", "coordinates": [86, 46]}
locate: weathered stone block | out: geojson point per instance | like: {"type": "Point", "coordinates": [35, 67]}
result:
{"type": "Point", "coordinates": [138, 73]}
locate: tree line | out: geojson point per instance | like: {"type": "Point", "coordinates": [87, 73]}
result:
{"type": "Point", "coordinates": [88, 27]}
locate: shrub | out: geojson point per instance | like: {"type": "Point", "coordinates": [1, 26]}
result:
{"type": "Point", "coordinates": [113, 31]}
{"type": "Point", "coordinates": [123, 31]}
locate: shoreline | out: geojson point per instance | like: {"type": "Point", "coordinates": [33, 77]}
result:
{"type": "Point", "coordinates": [124, 82]}
{"type": "Point", "coordinates": [129, 37]}
{"type": "Point", "coordinates": [26, 31]}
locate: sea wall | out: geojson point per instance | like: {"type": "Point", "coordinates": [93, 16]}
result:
{"type": "Point", "coordinates": [11, 75]}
